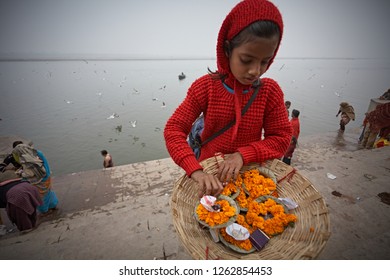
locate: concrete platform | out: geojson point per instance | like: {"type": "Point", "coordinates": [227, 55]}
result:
{"type": "Point", "coordinates": [123, 212]}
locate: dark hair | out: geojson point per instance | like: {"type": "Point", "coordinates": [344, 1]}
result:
{"type": "Point", "coordinates": [104, 152]}
{"type": "Point", "coordinates": [287, 102]}
{"type": "Point", "coordinates": [14, 144]}
{"type": "Point", "coordinates": [263, 29]}
{"type": "Point", "coordinates": [295, 113]}
{"type": "Point", "coordinates": [294, 140]}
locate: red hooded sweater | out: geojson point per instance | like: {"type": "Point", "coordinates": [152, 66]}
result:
{"type": "Point", "coordinates": [266, 114]}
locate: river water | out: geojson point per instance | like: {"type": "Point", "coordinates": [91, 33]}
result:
{"type": "Point", "coordinates": [73, 109]}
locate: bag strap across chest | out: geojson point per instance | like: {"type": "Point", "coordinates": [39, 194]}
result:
{"type": "Point", "coordinates": [230, 124]}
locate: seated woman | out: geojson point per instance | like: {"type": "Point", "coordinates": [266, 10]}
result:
{"type": "Point", "coordinates": [35, 169]}
{"type": "Point", "coordinates": [20, 199]}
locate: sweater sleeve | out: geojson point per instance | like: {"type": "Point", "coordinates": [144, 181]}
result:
{"type": "Point", "coordinates": [179, 125]}
{"type": "Point", "coordinates": [277, 128]}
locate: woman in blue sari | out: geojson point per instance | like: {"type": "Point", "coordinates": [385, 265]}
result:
{"type": "Point", "coordinates": [35, 169]}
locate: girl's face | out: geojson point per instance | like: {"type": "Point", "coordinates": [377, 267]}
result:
{"type": "Point", "coordinates": [250, 60]}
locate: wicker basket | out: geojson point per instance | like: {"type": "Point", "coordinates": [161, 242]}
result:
{"type": "Point", "coordinates": [303, 241]}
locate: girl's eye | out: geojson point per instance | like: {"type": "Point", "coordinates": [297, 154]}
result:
{"type": "Point", "coordinates": [245, 61]}
{"type": "Point", "coordinates": [265, 62]}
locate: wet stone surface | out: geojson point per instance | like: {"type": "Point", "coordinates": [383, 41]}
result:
{"type": "Point", "coordinates": [124, 212]}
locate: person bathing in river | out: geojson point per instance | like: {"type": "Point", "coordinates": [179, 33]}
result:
{"type": "Point", "coordinates": [107, 161]}
{"type": "Point", "coordinates": [347, 114]}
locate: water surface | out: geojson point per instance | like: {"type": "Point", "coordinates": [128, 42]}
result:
{"type": "Point", "coordinates": [64, 107]}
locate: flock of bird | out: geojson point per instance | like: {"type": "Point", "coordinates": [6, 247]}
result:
{"type": "Point", "coordinates": [116, 115]}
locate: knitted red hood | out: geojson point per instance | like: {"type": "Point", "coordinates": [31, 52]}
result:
{"type": "Point", "coordinates": [242, 15]}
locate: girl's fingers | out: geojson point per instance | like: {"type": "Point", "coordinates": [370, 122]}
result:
{"type": "Point", "coordinates": [209, 185]}
{"type": "Point", "coordinates": [235, 173]}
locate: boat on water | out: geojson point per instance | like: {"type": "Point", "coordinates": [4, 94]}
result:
{"type": "Point", "coordinates": [182, 76]}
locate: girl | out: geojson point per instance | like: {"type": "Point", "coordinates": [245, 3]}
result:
{"type": "Point", "coordinates": [248, 41]}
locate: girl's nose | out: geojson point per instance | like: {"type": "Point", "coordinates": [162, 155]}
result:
{"type": "Point", "coordinates": [255, 70]}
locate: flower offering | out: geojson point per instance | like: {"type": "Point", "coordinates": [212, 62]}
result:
{"type": "Point", "coordinates": [269, 216]}
{"type": "Point", "coordinates": [260, 212]}
{"type": "Point", "coordinates": [256, 184]}
{"type": "Point", "coordinates": [243, 246]}
{"type": "Point", "coordinates": [227, 213]}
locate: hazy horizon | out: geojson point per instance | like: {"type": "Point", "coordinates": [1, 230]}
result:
{"type": "Point", "coordinates": [184, 28]}
{"type": "Point", "coordinates": [102, 57]}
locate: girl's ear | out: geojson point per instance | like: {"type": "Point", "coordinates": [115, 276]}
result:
{"type": "Point", "coordinates": [227, 48]}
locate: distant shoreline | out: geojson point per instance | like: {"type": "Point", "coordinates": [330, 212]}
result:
{"type": "Point", "coordinates": [95, 59]}
{"type": "Point", "coordinates": [86, 59]}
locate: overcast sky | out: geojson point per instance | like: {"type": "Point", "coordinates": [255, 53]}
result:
{"type": "Point", "coordinates": [186, 28]}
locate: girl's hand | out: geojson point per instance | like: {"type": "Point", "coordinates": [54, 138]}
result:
{"type": "Point", "coordinates": [208, 184]}
{"type": "Point", "coordinates": [230, 167]}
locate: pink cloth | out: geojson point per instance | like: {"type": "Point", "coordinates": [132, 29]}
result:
{"type": "Point", "coordinates": [22, 201]}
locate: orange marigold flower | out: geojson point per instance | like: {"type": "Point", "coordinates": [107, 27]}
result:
{"type": "Point", "coordinates": [242, 199]}
{"type": "Point", "coordinates": [216, 218]}
{"type": "Point", "coordinates": [232, 187]}
{"type": "Point", "coordinates": [256, 184]}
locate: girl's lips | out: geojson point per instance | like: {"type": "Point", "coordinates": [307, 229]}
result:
{"type": "Point", "coordinates": [250, 80]}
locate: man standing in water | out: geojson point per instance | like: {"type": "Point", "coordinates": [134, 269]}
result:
{"type": "Point", "coordinates": [288, 105]}
{"type": "Point", "coordinates": [347, 114]}
{"type": "Point", "coordinates": [295, 124]}
{"type": "Point", "coordinates": [107, 162]}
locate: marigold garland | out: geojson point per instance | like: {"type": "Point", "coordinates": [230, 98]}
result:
{"type": "Point", "coordinates": [272, 226]}
{"type": "Point", "coordinates": [216, 218]}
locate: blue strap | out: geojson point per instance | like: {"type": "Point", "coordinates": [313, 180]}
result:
{"type": "Point", "coordinates": [229, 89]}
